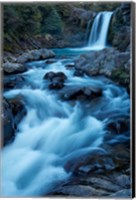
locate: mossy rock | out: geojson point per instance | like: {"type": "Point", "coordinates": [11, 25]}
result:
{"type": "Point", "coordinates": [122, 77]}
{"type": "Point", "coordinates": [119, 31]}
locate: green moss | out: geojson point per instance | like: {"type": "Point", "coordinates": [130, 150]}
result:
{"type": "Point", "coordinates": [122, 77]}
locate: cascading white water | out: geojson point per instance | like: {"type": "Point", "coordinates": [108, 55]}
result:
{"type": "Point", "coordinates": [99, 31]}
{"type": "Point", "coordinates": [53, 132]}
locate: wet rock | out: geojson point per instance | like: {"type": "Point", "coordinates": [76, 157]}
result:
{"type": "Point", "coordinates": [123, 180]}
{"type": "Point", "coordinates": [79, 191]}
{"type": "Point", "coordinates": [119, 125]}
{"type": "Point", "coordinates": [8, 57]}
{"type": "Point", "coordinates": [80, 92]}
{"type": "Point", "coordinates": [74, 164]}
{"type": "Point", "coordinates": [50, 61]}
{"type": "Point", "coordinates": [78, 73]}
{"type": "Point", "coordinates": [34, 55]}
{"type": "Point", "coordinates": [18, 109]}
{"type": "Point", "coordinates": [57, 83]}
{"type": "Point", "coordinates": [108, 62]}
{"type": "Point", "coordinates": [122, 193]}
{"type": "Point", "coordinates": [97, 63]}
{"type": "Point", "coordinates": [13, 81]}
{"type": "Point", "coordinates": [70, 66]}
{"type": "Point", "coordinates": [8, 122]}
{"type": "Point", "coordinates": [100, 164]}
{"type": "Point", "coordinates": [13, 68]}
{"type": "Point", "coordinates": [104, 184]}
{"type": "Point", "coordinates": [56, 80]}
{"type": "Point", "coordinates": [49, 76]}
{"type": "Point", "coordinates": [23, 58]}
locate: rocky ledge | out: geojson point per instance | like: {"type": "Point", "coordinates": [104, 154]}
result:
{"type": "Point", "coordinates": [15, 63]}
{"type": "Point", "coordinates": [109, 62]}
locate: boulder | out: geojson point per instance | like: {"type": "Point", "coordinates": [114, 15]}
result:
{"type": "Point", "coordinates": [8, 57]}
{"type": "Point", "coordinates": [108, 62]}
{"type": "Point", "coordinates": [78, 73]}
{"type": "Point", "coordinates": [123, 180]}
{"type": "Point", "coordinates": [78, 190]}
{"type": "Point", "coordinates": [49, 76]}
{"type": "Point", "coordinates": [8, 122]}
{"type": "Point", "coordinates": [126, 193]}
{"type": "Point", "coordinates": [77, 163]}
{"type": "Point", "coordinates": [56, 80]}
{"type": "Point", "coordinates": [104, 184]}
{"type": "Point", "coordinates": [13, 81]}
{"type": "Point", "coordinates": [70, 66]}
{"type": "Point", "coordinates": [13, 68]}
{"type": "Point", "coordinates": [50, 61]}
{"type": "Point", "coordinates": [76, 92]}
{"type": "Point", "coordinates": [18, 109]}
{"type": "Point", "coordinates": [34, 55]}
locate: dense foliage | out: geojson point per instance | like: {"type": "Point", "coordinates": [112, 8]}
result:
{"type": "Point", "coordinates": [22, 21]}
{"type": "Point", "coordinates": [25, 22]}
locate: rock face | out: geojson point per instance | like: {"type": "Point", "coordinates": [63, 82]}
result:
{"type": "Point", "coordinates": [81, 16]}
{"type": "Point", "coordinates": [8, 122]}
{"type": "Point", "coordinates": [34, 55]}
{"type": "Point", "coordinates": [13, 68]}
{"type": "Point", "coordinates": [56, 80]}
{"type": "Point", "coordinates": [108, 62]}
{"type": "Point", "coordinates": [119, 32]}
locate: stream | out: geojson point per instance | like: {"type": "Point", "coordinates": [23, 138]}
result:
{"type": "Point", "coordinates": [55, 131]}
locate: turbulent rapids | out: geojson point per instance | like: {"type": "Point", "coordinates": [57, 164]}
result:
{"type": "Point", "coordinates": [55, 131]}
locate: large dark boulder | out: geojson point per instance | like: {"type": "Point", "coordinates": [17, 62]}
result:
{"type": "Point", "coordinates": [13, 81]}
{"type": "Point", "coordinates": [56, 80]}
{"type": "Point", "coordinates": [18, 109]}
{"type": "Point", "coordinates": [80, 93]}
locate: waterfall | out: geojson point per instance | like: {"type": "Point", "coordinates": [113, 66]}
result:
{"type": "Point", "coordinates": [98, 35]}
{"type": "Point", "coordinates": [88, 30]}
